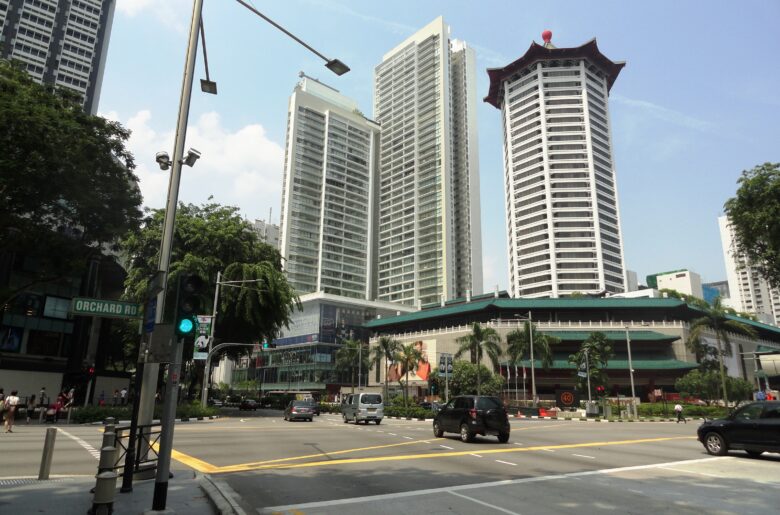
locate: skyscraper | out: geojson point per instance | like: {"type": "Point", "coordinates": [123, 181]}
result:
{"type": "Point", "coordinates": [63, 42]}
{"type": "Point", "coordinates": [749, 291]}
{"type": "Point", "coordinates": [429, 235]}
{"type": "Point", "coordinates": [328, 193]}
{"type": "Point", "coordinates": [563, 222]}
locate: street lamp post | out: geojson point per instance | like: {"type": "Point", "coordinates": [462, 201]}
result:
{"type": "Point", "coordinates": [631, 374]}
{"type": "Point", "coordinates": [587, 371]}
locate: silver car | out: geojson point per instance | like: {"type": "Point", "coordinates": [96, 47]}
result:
{"type": "Point", "coordinates": [363, 407]}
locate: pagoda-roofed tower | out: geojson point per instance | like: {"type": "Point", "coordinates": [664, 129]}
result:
{"type": "Point", "coordinates": [563, 222]}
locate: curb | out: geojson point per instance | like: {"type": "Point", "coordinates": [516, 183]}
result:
{"type": "Point", "coordinates": [220, 495]}
{"type": "Point", "coordinates": [156, 421]}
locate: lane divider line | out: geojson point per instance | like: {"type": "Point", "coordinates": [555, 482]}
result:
{"type": "Point", "coordinates": [483, 503]}
{"type": "Point", "coordinates": [506, 463]}
{"type": "Point", "coordinates": [583, 456]}
{"type": "Point", "coordinates": [94, 452]}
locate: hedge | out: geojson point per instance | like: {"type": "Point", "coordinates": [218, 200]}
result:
{"type": "Point", "coordinates": [689, 410]}
{"type": "Point", "coordinates": [100, 413]}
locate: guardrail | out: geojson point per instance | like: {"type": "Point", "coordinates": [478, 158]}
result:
{"type": "Point", "coordinates": [145, 453]}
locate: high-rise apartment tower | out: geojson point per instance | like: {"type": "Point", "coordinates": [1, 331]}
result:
{"type": "Point", "coordinates": [63, 43]}
{"type": "Point", "coordinates": [429, 234]}
{"type": "Point", "coordinates": [749, 291]}
{"type": "Point", "coordinates": [563, 222]}
{"type": "Point", "coordinates": [328, 193]}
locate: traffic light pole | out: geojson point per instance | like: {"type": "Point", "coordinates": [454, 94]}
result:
{"type": "Point", "coordinates": [207, 370]}
{"type": "Point", "coordinates": [166, 433]}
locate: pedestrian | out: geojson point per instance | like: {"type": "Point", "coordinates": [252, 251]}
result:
{"type": "Point", "coordinates": [11, 403]}
{"type": "Point", "coordinates": [42, 398]}
{"type": "Point", "coordinates": [2, 405]}
{"type": "Point", "coordinates": [760, 395]}
{"type": "Point", "coordinates": [116, 397]}
{"type": "Point", "coordinates": [679, 410]}
{"type": "Point", "coordinates": [123, 395]}
{"type": "Point", "coordinates": [30, 407]}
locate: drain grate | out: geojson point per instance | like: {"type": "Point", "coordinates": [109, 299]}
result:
{"type": "Point", "coordinates": [29, 481]}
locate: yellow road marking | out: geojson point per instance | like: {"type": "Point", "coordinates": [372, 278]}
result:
{"type": "Point", "coordinates": [229, 468]}
{"type": "Point", "coordinates": [406, 457]}
{"type": "Point", "coordinates": [190, 461]}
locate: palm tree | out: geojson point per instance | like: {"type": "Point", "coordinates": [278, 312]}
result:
{"type": "Point", "coordinates": [480, 339]}
{"type": "Point", "coordinates": [717, 321]}
{"type": "Point", "coordinates": [408, 355]}
{"type": "Point", "coordinates": [519, 345]}
{"type": "Point", "coordinates": [347, 358]}
{"type": "Point", "coordinates": [599, 350]}
{"type": "Point", "coordinates": [386, 349]}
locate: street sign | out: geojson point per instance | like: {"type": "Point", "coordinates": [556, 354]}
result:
{"type": "Point", "coordinates": [104, 308]}
{"type": "Point", "coordinates": [582, 374]}
{"type": "Point", "coordinates": [161, 345]}
{"type": "Point", "coordinates": [445, 365]}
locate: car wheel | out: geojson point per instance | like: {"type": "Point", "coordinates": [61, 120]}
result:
{"type": "Point", "coordinates": [465, 433]}
{"type": "Point", "coordinates": [378, 421]}
{"type": "Point", "coordinates": [754, 454]}
{"type": "Point", "coordinates": [715, 444]}
{"type": "Point", "coordinates": [503, 437]}
{"type": "Point", "coordinates": [437, 430]}
{"type": "Point", "coordinates": [345, 419]}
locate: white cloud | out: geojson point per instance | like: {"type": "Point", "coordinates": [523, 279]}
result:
{"type": "Point", "coordinates": [241, 168]}
{"type": "Point", "coordinates": [174, 14]}
{"type": "Point", "coordinates": [665, 114]}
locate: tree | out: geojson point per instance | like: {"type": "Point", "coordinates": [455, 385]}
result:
{"type": "Point", "coordinates": [599, 351]}
{"type": "Point", "coordinates": [67, 187]}
{"type": "Point", "coordinates": [702, 384]}
{"type": "Point", "coordinates": [465, 380]}
{"type": "Point", "coordinates": [754, 214]}
{"type": "Point", "coordinates": [480, 340]}
{"type": "Point", "coordinates": [717, 321]}
{"type": "Point", "coordinates": [351, 358]}
{"type": "Point", "coordinates": [386, 349]}
{"type": "Point", "coordinates": [408, 355]}
{"type": "Point", "coordinates": [207, 239]}
{"type": "Point", "coordinates": [519, 345]}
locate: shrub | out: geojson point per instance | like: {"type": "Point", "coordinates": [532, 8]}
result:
{"type": "Point", "coordinates": [89, 414]}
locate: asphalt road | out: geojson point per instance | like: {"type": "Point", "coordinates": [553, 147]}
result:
{"type": "Point", "coordinates": [327, 466]}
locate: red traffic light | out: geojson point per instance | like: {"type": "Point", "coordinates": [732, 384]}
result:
{"type": "Point", "coordinates": [91, 371]}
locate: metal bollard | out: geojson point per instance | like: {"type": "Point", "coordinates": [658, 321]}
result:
{"type": "Point", "coordinates": [109, 439]}
{"type": "Point", "coordinates": [43, 414]}
{"type": "Point", "coordinates": [48, 453]}
{"type": "Point", "coordinates": [107, 459]}
{"type": "Point", "coordinates": [105, 489]}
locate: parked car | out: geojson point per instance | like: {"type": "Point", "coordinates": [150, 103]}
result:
{"type": "Point", "coordinates": [248, 404]}
{"type": "Point", "coordinates": [217, 403]}
{"type": "Point", "coordinates": [363, 407]}
{"type": "Point", "coordinates": [472, 415]}
{"type": "Point", "coordinates": [315, 407]}
{"type": "Point", "coordinates": [299, 410]}
{"type": "Point", "coordinates": [753, 428]}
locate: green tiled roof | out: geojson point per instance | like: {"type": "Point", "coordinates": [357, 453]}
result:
{"type": "Point", "coordinates": [620, 364]}
{"type": "Point", "coordinates": [766, 348]}
{"type": "Point", "coordinates": [620, 336]}
{"type": "Point", "coordinates": [527, 304]}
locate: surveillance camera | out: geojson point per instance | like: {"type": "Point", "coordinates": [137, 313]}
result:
{"type": "Point", "coordinates": [163, 159]}
{"type": "Point", "coordinates": [192, 156]}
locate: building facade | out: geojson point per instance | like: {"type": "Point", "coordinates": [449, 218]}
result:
{"type": "Point", "coordinates": [267, 232]}
{"type": "Point", "coordinates": [563, 221]}
{"type": "Point", "coordinates": [328, 193]}
{"type": "Point", "coordinates": [655, 327]}
{"type": "Point", "coordinates": [750, 292]}
{"type": "Point", "coordinates": [428, 227]}
{"type": "Point", "coordinates": [683, 281]}
{"type": "Point", "coordinates": [63, 43]}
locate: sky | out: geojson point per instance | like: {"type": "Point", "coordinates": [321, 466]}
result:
{"type": "Point", "coordinates": [697, 103]}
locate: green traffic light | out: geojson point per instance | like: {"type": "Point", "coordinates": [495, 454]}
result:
{"type": "Point", "coordinates": [186, 326]}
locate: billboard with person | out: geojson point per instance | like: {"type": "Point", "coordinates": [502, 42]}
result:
{"type": "Point", "coordinates": [420, 371]}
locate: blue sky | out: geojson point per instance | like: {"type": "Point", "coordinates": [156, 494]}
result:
{"type": "Point", "coordinates": [697, 103]}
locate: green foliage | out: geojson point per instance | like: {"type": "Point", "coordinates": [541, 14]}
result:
{"type": "Point", "coordinates": [689, 299]}
{"type": "Point", "coordinates": [715, 320]}
{"type": "Point", "coordinates": [519, 345]}
{"type": "Point", "coordinates": [67, 186]}
{"type": "Point", "coordinates": [702, 384]}
{"type": "Point", "coordinates": [754, 214]}
{"type": "Point", "coordinates": [386, 349]}
{"type": "Point", "coordinates": [599, 351]}
{"type": "Point", "coordinates": [408, 412]}
{"type": "Point", "coordinates": [464, 380]}
{"type": "Point", "coordinates": [481, 340]}
{"type": "Point", "coordinates": [657, 409]}
{"type": "Point", "coordinates": [348, 358]}
{"type": "Point", "coordinates": [408, 355]}
{"type": "Point", "coordinates": [97, 413]}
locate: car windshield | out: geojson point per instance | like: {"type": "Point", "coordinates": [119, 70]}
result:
{"type": "Point", "coordinates": [488, 403]}
{"type": "Point", "coordinates": [372, 399]}
{"type": "Point", "coordinates": [301, 403]}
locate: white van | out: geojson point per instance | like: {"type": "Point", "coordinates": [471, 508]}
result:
{"type": "Point", "coordinates": [363, 407]}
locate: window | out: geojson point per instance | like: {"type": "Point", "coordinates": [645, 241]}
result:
{"type": "Point", "coordinates": [772, 412]}
{"type": "Point", "coordinates": [56, 307]}
{"type": "Point", "coordinates": [487, 403]}
{"type": "Point", "coordinates": [43, 343]}
{"type": "Point", "coordinates": [462, 403]}
{"type": "Point", "coordinates": [751, 412]}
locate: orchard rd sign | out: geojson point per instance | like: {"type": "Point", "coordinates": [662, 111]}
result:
{"type": "Point", "coordinates": [105, 308]}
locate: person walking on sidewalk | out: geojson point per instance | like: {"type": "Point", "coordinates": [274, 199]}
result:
{"type": "Point", "coordinates": [30, 407]}
{"type": "Point", "coordinates": [679, 410]}
{"type": "Point", "coordinates": [11, 403]}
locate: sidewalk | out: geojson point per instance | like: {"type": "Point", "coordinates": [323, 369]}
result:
{"type": "Point", "coordinates": [67, 495]}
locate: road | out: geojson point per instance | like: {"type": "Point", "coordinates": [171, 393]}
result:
{"type": "Point", "coordinates": [327, 466]}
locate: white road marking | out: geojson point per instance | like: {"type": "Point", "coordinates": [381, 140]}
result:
{"type": "Point", "coordinates": [392, 434]}
{"type": "Point", "coordinates": [507, 463]}
{"type": "Point", "coordinates": [690, 472]}
{"type": "Point", "coordinates": [94, 452]}
{"type": "Point", "coordinates": [450, 448]}
{"type": "Point", "coordinates": [483, 503]}
{"type": "Point", "coordinates": [518, 443]}
{"type": "Point", "coordinates": [548, 450]}
{"type": "Point", "coordinates": [379, 431]}
{"type": "Point", "coordinates": [478, 486]}
{"type": "Point", "coordinates": [583, 456]}
{"type": "Point", "coordinates": [408, 437]}
{"type": "Point", "coordinates": [476, 455]}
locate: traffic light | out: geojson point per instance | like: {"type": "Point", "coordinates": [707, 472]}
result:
{"type": "Point", "coordinates": [90, 372]}
{"type": "Point", "coordinates": [600, 390]}
{"type": "Point", "coordinates": [267, 345]}
{"type": "Point", "coordinates": [188, 304]}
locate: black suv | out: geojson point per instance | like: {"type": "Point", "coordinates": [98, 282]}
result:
{"type": "Point", "coordinates": [472, 415]}
{"type": "Point", "coordinates": [754, 428]}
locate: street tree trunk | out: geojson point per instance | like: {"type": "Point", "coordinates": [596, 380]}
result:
{"type": "Point", "coordinates": [722, 370]}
